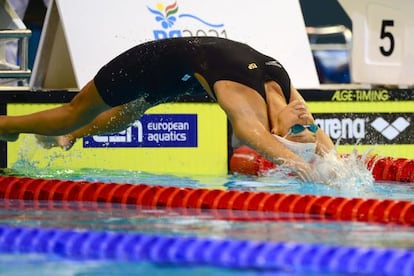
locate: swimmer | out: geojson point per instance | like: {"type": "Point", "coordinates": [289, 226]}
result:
{"type": "Point", "coordinates": [266, 112]}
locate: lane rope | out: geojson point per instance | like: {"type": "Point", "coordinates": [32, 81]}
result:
{"type": "Point", "coordinates": [245, 160]}
{"type": "Point", "coordinates": [83, 245]}
{"type": "Point", "coordinates": [310, 206]}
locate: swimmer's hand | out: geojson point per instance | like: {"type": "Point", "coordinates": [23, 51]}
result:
{"type": "Point", "coordinates": [329, 169]}
{"type": "Point", "coordinates": [305, 171]}
{"type": "Point", "coordinates": [300, 109]}
{"type": "Point", "coordinates": [315, 172]}
{"type": "Point", "coordinates": [65, 142]}
{"type": "Point", "coordinates": [301, 169]}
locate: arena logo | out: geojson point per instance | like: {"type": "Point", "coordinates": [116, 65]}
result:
{"type": "Point", "coordinates": [345, 128]}
{"type": "Point", "coordinates": [168, 15]}
{"type": "Point", "coordinates": [367, 128]}
{"type": "Point", "coordinates": [390, 130]}
{"type": "Point", "coordinates": [152, 130]}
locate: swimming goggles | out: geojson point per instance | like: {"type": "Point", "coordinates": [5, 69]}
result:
{"type": "Point", "coordinates": [296, 129]}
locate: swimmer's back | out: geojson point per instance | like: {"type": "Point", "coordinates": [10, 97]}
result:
{"type": "Point", "coordinates": [163, 69]}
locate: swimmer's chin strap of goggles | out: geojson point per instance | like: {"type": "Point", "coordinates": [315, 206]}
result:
{"type": "Point", "coordinates": [296, 129]}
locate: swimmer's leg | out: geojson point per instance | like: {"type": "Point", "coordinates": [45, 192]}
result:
{"type": "Point", "coordinates": [113, 120]}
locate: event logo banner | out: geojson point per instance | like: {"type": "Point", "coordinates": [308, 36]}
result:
{"type": "Point", "coordinates": [117, 26]}
{"type": "Point", "coordinates": [367, 128]}
{"type": "Point", "coordinates": [151, 131]}
{"type": "Point", "coordinates": [169, 16]}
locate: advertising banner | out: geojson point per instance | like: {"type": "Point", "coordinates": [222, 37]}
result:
{"type": "Point", "coordinates": [179, 138]}
{"type": "Point", "coordinates": [80, 36]}
{"type": "Point", "coordinates": [152, 130]}
{"type": "Point", "coordinates": [366, 119]}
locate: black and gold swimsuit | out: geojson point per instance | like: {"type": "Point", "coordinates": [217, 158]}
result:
{"type": "Point", "coordinates": [162, 70]}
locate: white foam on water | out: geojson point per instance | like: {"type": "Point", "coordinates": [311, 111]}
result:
{"type": "Point", "coordinates": [347, 172]}
{"type": "Point", "coordinates": [33, 159]}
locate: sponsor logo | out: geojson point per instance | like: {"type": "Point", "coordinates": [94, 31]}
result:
{"type": "Point", "coordinates": [151, 130]}
{"type": "Point", "coordinates": [274, 63]}
{"type": "Point", "coordinates": [252, 66]}
{"type": "Point", "coordinates": [168, 16]}
{"type": "Point", "coordinates": [367, 128]}
{"type": "Point", "coordinates": [390, 131]}
{"type": "Point", "coordinates": [186, 77]}
{"type": "Point", "coordinates": [361, 95]}
{"type": "Point", "coordinates": [345, 128]}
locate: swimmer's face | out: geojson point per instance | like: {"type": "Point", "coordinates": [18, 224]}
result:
{"type": "Point", "coordinates": [294, 128]}
{"type": "Point", "coordinates": [302, 133]}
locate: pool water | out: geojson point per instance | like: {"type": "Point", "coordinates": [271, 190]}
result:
{"type": "Point", "coordinates": [217, 224]}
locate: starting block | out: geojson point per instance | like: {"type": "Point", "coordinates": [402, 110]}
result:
{"type": "Point", "coordinates": [383, 44]}
{"type": "Point", "coordinates": [14, 43]}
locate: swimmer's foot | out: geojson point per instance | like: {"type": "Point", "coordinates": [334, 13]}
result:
{"type": "Point", "coordinates": [6, 135]}
{"type": "Point", "coordinates": [65, 142]}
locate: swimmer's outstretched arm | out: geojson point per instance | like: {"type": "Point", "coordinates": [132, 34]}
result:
{"type": "Point", "coordinates": [247, 114]}
{"type": "Point", "coordinates": [324, 143]}
{"type": "Point", "coordinates": [254, 134]}
{"type": "Point", "coordinates": [81, 111]}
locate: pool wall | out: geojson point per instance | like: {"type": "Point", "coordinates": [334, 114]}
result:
{"type": "Point", "coordinates": [360, 119]}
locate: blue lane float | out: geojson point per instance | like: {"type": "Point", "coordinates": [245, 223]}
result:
{"type": "Point", "coordinates": [82, 245]}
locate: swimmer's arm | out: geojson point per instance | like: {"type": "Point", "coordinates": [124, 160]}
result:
{"type": "Point", "coordinates": [247, 114]}
{"type": "Point", "coordinates": [324, 144]}
{"type": "Point", "coordinates": [253, 133]}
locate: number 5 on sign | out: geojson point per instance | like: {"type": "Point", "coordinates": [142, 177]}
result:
{"type": "Point", "coordinates": [387, 34]}
{"type": "Point", "coordinates": [383, 44]}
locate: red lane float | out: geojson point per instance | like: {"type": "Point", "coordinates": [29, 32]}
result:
{"type": "Point", "coordinates": [247, 161]}
{"type": "Point", "coordinates": [311, 206]}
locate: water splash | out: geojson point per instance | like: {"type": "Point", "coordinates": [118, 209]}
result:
{"type": "Point", "coordinates": [349, 172]}
{"type": "Point", "coordinates": [29, 163]}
